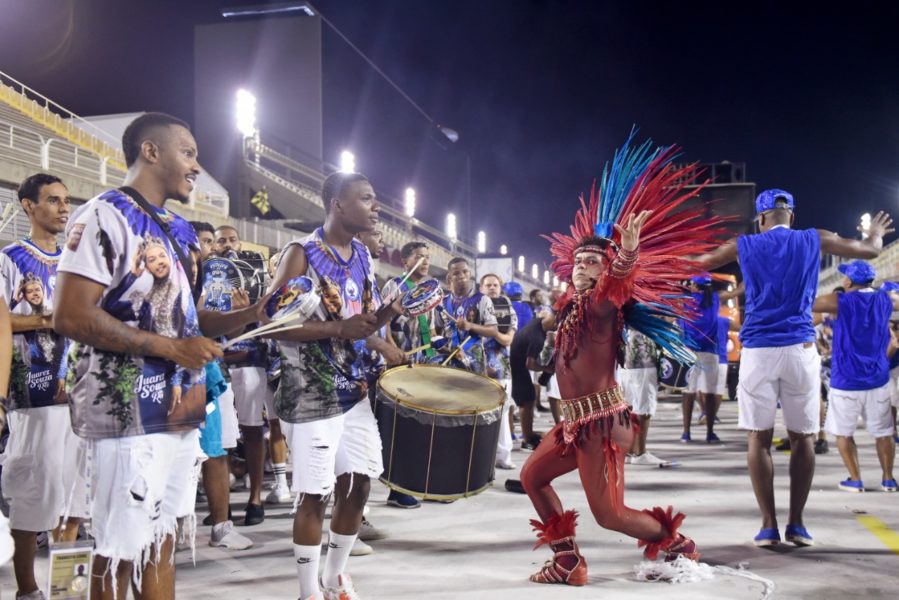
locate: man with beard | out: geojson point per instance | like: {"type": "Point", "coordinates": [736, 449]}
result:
{"type": "Point", "coordinates": [247, 362]}
{"type": "Point", "coordinates": [323, 394]}
{"type": "Point", "coordinates": [39, 464]}
{"type": "Point", "coordinates": [145, 450]}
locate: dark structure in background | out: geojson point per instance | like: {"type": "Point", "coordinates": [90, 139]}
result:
{"type": "Point", "coordinates": [278, 59]}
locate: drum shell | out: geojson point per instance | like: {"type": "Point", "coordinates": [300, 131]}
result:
{"type": "Point", "coordinates": [672, 373]}
{"type": "Point", "coordinates": [435, 455]}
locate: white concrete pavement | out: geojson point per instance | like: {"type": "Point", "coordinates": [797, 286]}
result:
{"type": "Point", "coordinates": [481, 547]}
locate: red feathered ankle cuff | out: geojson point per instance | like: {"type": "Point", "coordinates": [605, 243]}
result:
{"type": "Point", "coordinates": [556, 528]}
{"type": "Point", "coordinates": [673, 544]}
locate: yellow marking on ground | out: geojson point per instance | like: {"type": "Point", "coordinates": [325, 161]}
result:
{"type": "Point", "coordinates": [881, 531]}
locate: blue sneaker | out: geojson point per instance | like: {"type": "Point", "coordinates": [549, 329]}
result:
{"type": "Point", "coordinates": [889, 485]}
{"type": "Point", "coordinates": [685, 439]}
{"type": "Point", "coordinates": [712, 439]}
{"type": "Point", "coordinates": [852, 485]}
{"type": "Point", "coordinates": [402, 500]}
{"type": "Point", "coordinates": [798, 535]}
{"type": "Point", "coordinates": [769, 536]}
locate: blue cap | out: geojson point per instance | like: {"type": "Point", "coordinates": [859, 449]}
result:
{"type": "Point", "coordinates": [768, 200]}
{"type": "Point", "coordinates": [513, 288]}
{"type": "Point", "coordinates": [702, 279]}
{"type": "Point", "coordinates": [858, 272]}
{"type": "Point", "coordinates": [890, 286]}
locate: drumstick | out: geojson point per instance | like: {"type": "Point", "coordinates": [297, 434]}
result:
{"type": "Point", "coordinates": [453, 353]}
{"type": "Point", "coordinates": [263, 329]}
{"type": "Point", "coordinates": [436, 343]}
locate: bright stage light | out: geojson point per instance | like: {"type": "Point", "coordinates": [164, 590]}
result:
{"type": "Point", "coordinates": [410, 202]}
{"type": "Point", "coordinates": [535, 271]}
{"type": "Point", "coordinates": [347, 162]}
{"type": "Point", "coordinates": [246, 113]}
{"type": "Point", "coordinates": [503, 249]}
{"type": "Point", "coordinates": [521, 265]}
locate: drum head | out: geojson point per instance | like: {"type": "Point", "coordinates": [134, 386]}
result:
{"type": "Point", "coordinates": [220, 278]}
{"type": "Point", "coordinates": [423, 297]}
{"type": "Point", "coordinates": [441, 390]}
{"type": "Point", "coordinates": [296, 296]}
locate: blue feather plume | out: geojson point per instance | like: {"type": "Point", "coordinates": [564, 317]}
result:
{"type": "Point", "coordinates": [628, 165]}
{"type": "Point", "coordinates": [649, 319]}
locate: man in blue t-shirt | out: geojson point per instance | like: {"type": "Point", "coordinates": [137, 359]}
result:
{"type": "Point", "coordinates": [701, 334]}
{"type": "Point", "coordinates": [779, 361]}
{"type": "Point", "coordinates": [860, 373]}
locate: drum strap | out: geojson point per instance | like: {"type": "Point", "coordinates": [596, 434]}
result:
{"type": "Point", "coordinates": [153, 214]}
{"type": "Point", "coordinates": [423, 327]}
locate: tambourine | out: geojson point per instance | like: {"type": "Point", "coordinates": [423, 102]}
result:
{"type": "Point", "coordinates": [297, 296]}
{"type": "Point", "coordinates": [221, 278]}
{"type": "Point", "coordinates": [423, 297]}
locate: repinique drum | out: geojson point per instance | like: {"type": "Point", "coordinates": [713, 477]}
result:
{"type": "Point", "coordinates": [221, 276]}
{"type": "Point", "coordinates": [503, 309]}
{"type": "Point", "coordinates": [672, 373]}
{"type": "Point", "coordinates": [439, 427]}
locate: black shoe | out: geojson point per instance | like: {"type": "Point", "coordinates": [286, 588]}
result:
{"type": "Point", "coordinates": [821, 447]}
{"type": "Point", "coordinates": [208, 519]}
{"type": "Point", "coordinates": [255, 515]}
{"type": "Point", "coordinates": [514, 485]}
{"type": "Point", "coordinates": [541, 408]}
{"type": "Point", "coordinates": [783, 446]}
{"type": "Point", "coordinates": [531, 443]}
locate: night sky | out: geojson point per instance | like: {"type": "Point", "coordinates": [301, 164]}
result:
{"type": "Point", "coordinates": [541, 93]}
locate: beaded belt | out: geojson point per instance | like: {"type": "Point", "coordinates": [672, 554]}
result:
{"type": "Point", "coordinates": [594, 406]}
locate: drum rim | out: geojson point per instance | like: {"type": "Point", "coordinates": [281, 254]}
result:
{"type": "Point", "coordinates": [431, 410]}
{"type": "Point", "coordinates": [425, 496]}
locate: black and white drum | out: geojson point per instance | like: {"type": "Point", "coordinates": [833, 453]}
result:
{"type": "Point", "coordinates": [439, 427]}
{"type": "Point", "coordinates": [222, 276]}
{"type": "Point", "coordinates": [504, 311]}
{"type": "Point", "coordinates": [672, 373]}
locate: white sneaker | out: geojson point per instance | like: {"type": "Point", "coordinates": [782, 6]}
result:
{"type": "Point", "coordinates": [280, 494]}
{"type": "Point", "coordinates": [508, 464]}
{"type": "Point", "coordinates": [35, 595]}
{"type": "Point", "coordinates": [647, 459]}
{"type": "Point", "coordinates": [344, 591]}
{"type": "Point", "coordinates": [628, 459]}
{"type": "Point", "coordinates": [369, 533]}
{"type": "Point", "coordinates": [224, 536]}
{"type": "Point", "coordinates": [360, 548]}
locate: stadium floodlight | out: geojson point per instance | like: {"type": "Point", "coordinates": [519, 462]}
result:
{"type": "Point", "coordinates": [482, 242]}
{"type": "Point", "coordinates": [409, 204]}
{"type": "Point", "coordinates": [866, 224]}
{"type": "Point", "coordinates": [521, 265]}
{"type": "Point", "coordinates": [503, 249]}
{"type": "Point", "coordinates": [246, 113]}
{"type": "Point", "coordinates": [555, 281]}
{"type": "Point", "coordinates": [564, 286]}
{"type": "Point", "coordinates": [347, 162]}
{"type": "Point", "coordinates": [545, 277]}
{"type": "Point", "coordinates": [535, 271]}
{"type": "Point", "coordinates": [451, 227]}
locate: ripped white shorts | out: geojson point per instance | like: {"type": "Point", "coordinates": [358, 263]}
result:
{"type": "Point", "coordinates": [322, 450]}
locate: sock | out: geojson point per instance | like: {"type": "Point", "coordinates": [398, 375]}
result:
{"type": "Point", "coordinates": [307, 558]}
{"type": "Point", "coordinates": [339, 547]}
{"type": "Point", "coordinates": [280, 470]}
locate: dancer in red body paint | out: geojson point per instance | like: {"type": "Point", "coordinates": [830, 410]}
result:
{"type": "Point", "coordinates": [634, 280]}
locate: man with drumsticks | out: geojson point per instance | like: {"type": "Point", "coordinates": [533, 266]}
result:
{"type": "Point", "coordinates": [322, 398]}
{"type": "Point", "coordinates": [497, 349]}
{"type": "Point", "coordinates": [467, 317]}
{"type": "Point", "coordinates": [247, 364]}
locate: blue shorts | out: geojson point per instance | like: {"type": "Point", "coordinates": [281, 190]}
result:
{"type": "Point", "coordinates": [211, 431]}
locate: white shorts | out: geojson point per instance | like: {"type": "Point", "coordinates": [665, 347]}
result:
{"type": "Point", "coordinates": [41, 471]}
{"type": "Point", "coordinates": [323, 450]}
{"type": "Point", "coordinates": [722, 380]}
{"type": "Point", "coordinates": [847, 406]}
{"type": "Point", "coordinates": [641, 388]}
{"type": "Point", "coordinates": [252, 395]}
{"type": "Point", "coordinates": [894, 387]}
{"type": "Point", "coordinates": [230, 430]}
{"type": "Point", "coordinates": [702, 378]}
{"type": "Point", "coordinates": [141, 485]}
{"type": "Point", "coordinates": [789, 374]}
{"type": "Point", "coordinates": [552, 388]}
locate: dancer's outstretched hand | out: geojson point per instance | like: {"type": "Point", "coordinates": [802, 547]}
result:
{"type": "Point", "coordinates": [630, 233]}
{"type": "Point", "coordinates": [879, 227]}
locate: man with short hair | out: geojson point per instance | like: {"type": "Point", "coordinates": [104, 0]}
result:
{"type": "Point", "coordinates": [779, 361]}
{"type": "Point", "coordinates": [247, 363]}
{"type": "Point", "coordinates": [40, 460]}
{"type": "Point", "coordinates": [468, 317]}
{"type": "Point", "coordinates": [701, 333]}
{"type": "Point", "coordinates": [220, 432]}
{"type": "Point", "coordinates": [125, 293]}
{"type": "Point", "coordinates": [860, 371]}
{"type": "Point", "coordinates": [498, 367]}
{"type": "Point", "coordinates": [323, 395]}
{"type": "Point", "coordinates": [640, 382]}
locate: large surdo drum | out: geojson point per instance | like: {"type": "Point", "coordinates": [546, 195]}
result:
{"type": "Point", "coordinates": [439, 428]}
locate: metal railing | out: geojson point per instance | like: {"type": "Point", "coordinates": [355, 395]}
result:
{"type": "Point", "coordinates": [60, 120]}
